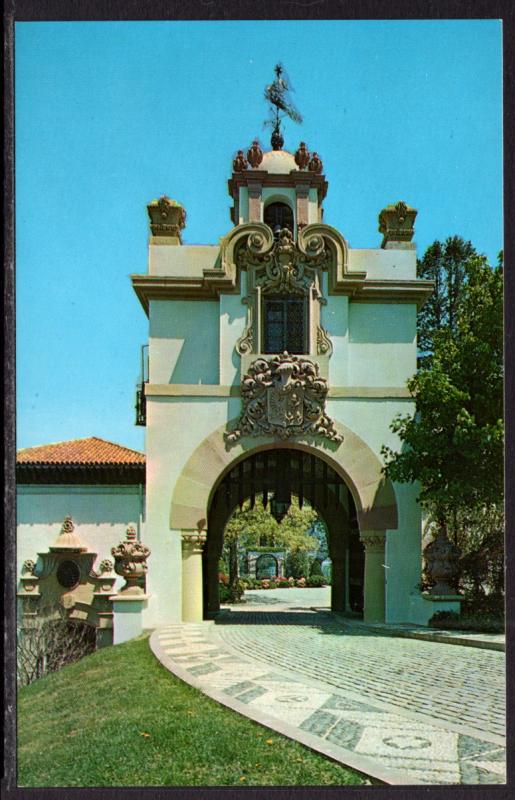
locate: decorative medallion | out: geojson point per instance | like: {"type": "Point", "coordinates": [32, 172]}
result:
{"type": "Point", "coordinates": [283, 396]}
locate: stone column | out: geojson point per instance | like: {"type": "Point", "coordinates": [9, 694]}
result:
{"type": "Point", "coordinates": [192, 545]}
{"type": "Point", "coordinates": [254, 201]}
{"type": "Point", "coordinates": [302, 195]}
{"type": "Point", "coordinates": [337, 541]}
{"type": "Point", "coordinates": [374, 589]}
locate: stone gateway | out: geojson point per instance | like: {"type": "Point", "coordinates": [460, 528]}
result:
{"type": "Point", "coordinates": [276, 361]}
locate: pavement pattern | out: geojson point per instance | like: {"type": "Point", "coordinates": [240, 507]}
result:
{"type": "Point", "coordinates": [401, 710]}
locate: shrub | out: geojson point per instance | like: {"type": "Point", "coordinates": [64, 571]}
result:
{"type": "Point", "coordinates": [231, 594]}
{"type": "Point", "coordinates": [479, 623]}
{"type": "Point", "coordinates": [301, 583]}
{"type": "Point", "coordinates": [265, 584]}
{"type": "Point", "coordinates": [49, 642]}
{"type": "Point", "coordinates": [315, 581]}
{"type": "Point", "coordinates": [297, 564]}
{"type": "Point", "coordinates": [316, 569]}
{"type": "Point", "coordinates": [223, 578]}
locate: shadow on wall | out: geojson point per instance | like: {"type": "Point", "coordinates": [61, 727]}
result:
{"type": "Point", "coordinates": [193, 330]}
{"type": "Point", "coordinates": [93, 508]}
{"type": "Point", "coordinates": [382, 324]}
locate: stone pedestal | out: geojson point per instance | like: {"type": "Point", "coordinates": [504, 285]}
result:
{"type": "Point", "coordinates": [374, 589]}
{"type": "Point", "coordinates": [127, 616]}
{"type": "Point", "coordinates": [192, 605]}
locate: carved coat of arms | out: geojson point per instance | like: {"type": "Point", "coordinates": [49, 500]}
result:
{"type": "Point", "coordinates": [283, 396]}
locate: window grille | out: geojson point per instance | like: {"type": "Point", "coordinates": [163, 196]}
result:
{"type": "Point", "coordinates": [285, 325]}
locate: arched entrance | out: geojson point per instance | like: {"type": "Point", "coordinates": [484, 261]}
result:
{"type": "Point", "coordinates": [267, 566]}
{"type": "Point", "coordinates": [276, 475]}
{"type": "Point", "coordinates": [192, 512]}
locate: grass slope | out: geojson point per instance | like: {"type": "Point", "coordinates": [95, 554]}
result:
{"type": "Point", "coordinates": [118, 718]}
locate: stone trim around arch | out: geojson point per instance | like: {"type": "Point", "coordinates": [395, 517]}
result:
{"type": "Point", "coordinates": [353, 459]}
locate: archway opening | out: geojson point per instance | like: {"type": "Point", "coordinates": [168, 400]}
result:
{"type": "Point", "coordinates": [279, 479]}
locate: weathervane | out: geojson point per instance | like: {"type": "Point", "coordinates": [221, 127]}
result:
{"type": "Point", "coordinates": [276, 95]}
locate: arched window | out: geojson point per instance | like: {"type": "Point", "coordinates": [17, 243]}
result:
{"type": "Point", "coordinates": [277, 216]}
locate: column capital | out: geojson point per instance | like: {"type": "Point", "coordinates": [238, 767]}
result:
{"type": "Point", "coordinates": [194, 539]}
{"type": "Point", "coordinates": [373, 541]}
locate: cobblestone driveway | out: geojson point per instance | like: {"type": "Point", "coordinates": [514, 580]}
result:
{"type": "Point", "coordinates": [422, 712]}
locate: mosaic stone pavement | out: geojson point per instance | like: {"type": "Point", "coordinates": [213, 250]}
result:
{"type": "Point", "coordinates": [402, 710]}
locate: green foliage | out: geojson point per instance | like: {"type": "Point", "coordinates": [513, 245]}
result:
{"type": "Point", "coordinates": [454, 444]}
{"type": "Point", "coordinates": [446, 265]}
{"type": "Point", "coordinates": [315, 581]}
{"type": "Point", "coordinates": [255, 527]}
{"type": "Point", "coordinates": [170, 736]}
{"type": "Point", "coordinates": [316, 568]}
{"type": "Point", "coordinates": [477, 622]}
{"type": "Point", "coordinates": [297, 564]}
{"type": "Point", "coordinates": [232, 592]}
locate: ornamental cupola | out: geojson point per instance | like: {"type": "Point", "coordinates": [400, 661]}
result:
{"type": "Point", "coordinates": [277, 187]}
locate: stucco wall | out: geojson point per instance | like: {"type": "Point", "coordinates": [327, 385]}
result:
{"type": "Point", "coordinates": [101, 515]}
{"type": "Point", "coordinates": [184, 341]}
{"type": "Point", "coordinates": [382, 343]}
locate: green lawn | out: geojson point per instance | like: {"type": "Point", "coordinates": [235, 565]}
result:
{"type": "Point", "coordinates": [118, 718]}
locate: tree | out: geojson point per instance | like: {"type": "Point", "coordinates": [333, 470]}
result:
{"type": "Point", "coordinates": [255, 527]}
{"type": "Point", "coordinates": [454, 444]}
{"type": "Point", "coordinates": [446, 265]}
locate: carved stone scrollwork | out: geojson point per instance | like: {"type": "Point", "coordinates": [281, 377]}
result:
{"type": "Point", "coordinates": [245, 343]}
{"type": "Point", "coordinates": [283, 266]}
{"type": "Point", "coordinates": [28, 567]}
{"type": "Point", "coordinates": [324, 343]}
{"type": "Point", "coordinates": [283, 396]}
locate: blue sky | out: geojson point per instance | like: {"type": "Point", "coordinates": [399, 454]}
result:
{"type": "Point", "coordinates": [111, 115]}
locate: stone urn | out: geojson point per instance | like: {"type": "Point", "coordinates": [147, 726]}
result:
{"type": "Point", "coordinates": [167, 218]}
{"type": "Point", "coordinates": [441, 557]}
{"type": "Point", "coordinates": [315, 164]}
{"type": "Point", "coordinates": [255, 154]}
{"type": "Point", "coordinates": [240, 163]}
{"type": "Point", "coordinates": [130, 561]}
{"type": "Point", "coordinates": [396, 223]}
{"type": "Point", "coordinates": [302, 156]}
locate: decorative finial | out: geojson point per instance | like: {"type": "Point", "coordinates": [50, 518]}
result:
{"type": "Point", "coordinates": [302, 156]}
{"type": "Point", "coordinates": [255, 154]}
{"type": "Point", "coordinates": [240, 163]}
{"type": "Point", "coordinates": [280, 106]}
{"type": "Point", "coordinates": [315, 165]}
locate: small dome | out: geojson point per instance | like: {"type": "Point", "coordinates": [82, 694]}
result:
{"type": "Point", "coordinates": [279, 162]}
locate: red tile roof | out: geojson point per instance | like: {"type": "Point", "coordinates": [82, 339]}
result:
{"type": "Point", "coordinates": [81, 452]}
